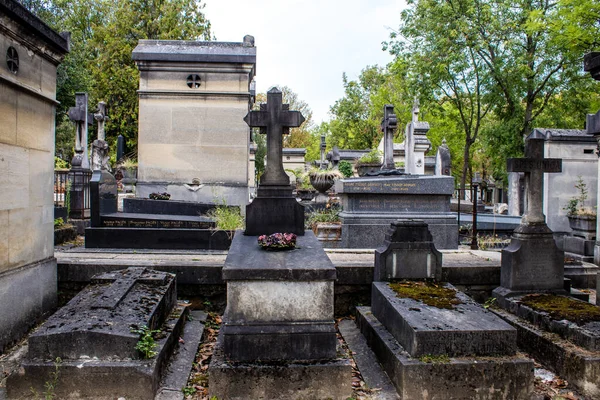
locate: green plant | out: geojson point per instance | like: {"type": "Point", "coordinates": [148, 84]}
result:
{"type": "Point", "coordinates": [227, 218]}
{"type": "Point", "coordinates": [435, 359]}
{"type": "Point", "coordinates": [67, 195]}
{"type": "Point", "coordinates": [324, 175]}
{"type": "Point", "coordinates": [345, 167]}
{"type": "Point", "coordinates": [59, 163]}
{"type": "Point", "coordinates": [489, 302]}
{"type": "Point", "coordinates": [330, 214]}
{"type": "Point", "coordinates": [129, 163]}
{"type": "Point", "coordinates": [188, 391]}
{"type": "Point", "coordinates": [576, 204]}
{"type": "Point", "coordinates": [58, 222]}
{"type": "Point", "coordinates": [400, 164]}
{"type": "Point", "coordinates": [146, 344]}
{"type": "Point", "coordinates": [372, 157]}
{"type": "Point", "coordinates": [50, 385]}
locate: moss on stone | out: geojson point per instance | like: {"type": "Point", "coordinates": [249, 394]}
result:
{"type": "Point", "coordinates": [431, 293]}
{"type": "Point", "coordinates": [435, 359]}
{"type": "Point", "coordinates": [561, 307]}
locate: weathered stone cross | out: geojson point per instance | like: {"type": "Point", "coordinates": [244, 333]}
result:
{"type": "Point", "coordinates": [534, 165]}
{"type": "Point", "coordinates": [275, 119]}
{"type": "Point", "coordinates": [79, 115]}
{"type": "Point", "coordinates": [121, 284]}
{"type": "Point", "coordinates": [388, 127]}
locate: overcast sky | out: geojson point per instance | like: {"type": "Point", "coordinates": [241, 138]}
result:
{"type": "Point", "coordinates": [308, 44]}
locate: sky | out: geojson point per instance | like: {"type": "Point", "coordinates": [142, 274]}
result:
{"type": "Point", "coordinates": [307, 45]}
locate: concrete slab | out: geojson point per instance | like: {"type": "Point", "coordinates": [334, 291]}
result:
{"type": "Point", "coordinates": [506, 377]}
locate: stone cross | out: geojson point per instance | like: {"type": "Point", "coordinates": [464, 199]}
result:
{"type": "Point", "coordinates": [99, 146]}
{"type": "Point", "coordinates": [388, 127]}
{"type": "Point", "coordinates": [122, 282]}
{"type": "Point", "coordinates": [534, 165]}
{"type": "Point", "coordinates": [79, 115]}
{"type": "Point", "coordinates": [274, 119]}
{"type": "Point", "coordinates": [101, 117]}
{"type": "Point", "coordinates": [323, 147]}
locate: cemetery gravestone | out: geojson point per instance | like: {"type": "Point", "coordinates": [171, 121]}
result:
{"type": "Point", "coordinates": [388, 126]}
{"type": "Point", "coordinates": [443, 160]}
{"type": "Point", "coordinates": [99, 146]}
{"type": "Point", "coordinates": [532, 261]}
{"type": "Point", "coordinates": [95, 337]}
{"type": "Point", "coordinates": [79, 115]}
{"type": "Point", "coordinates": [403, 331]}
{"type": "Point", "coordinates": [278, 337]}
{"type": "Point", "coordinates": [274, 194]}
{"type": "Point", "coordinates": [416, 143]}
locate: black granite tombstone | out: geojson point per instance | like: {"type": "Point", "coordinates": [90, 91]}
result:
{"type": "Point", "coordinates": [274, 209]}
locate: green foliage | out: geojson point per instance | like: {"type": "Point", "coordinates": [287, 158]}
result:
{"type": "Point", "coordinates": [372, 157]}
{"type": "Point", "coordinates": [330, 214]}
{"type": "Point", "coordinates": [576, 205]}
{"type": "Point", "coordinates": [188, 391]}
{"type": "Point", "coordinates": [60, 163]}
{"type": "Point", "coordinates": [58, 222]}
{"type": "Point", "coordinates": [227, 218]}
{"type": "Point", "coordinates": [50, 385]}
{"type": "Point", "coordinates": [435, 359]}
{"type": "Point", "coordinates": [489, 302]}
{"type": "Point", "coordinates": [146, 344]}
{"type": "Point", "coordinates": [346, 168]}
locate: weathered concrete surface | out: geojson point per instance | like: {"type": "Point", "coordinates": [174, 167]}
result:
{"type": "Point", "coordinates": [507, 377]}
{"type": "Point", "coordinates": [287, 380]}
{"type": "Point", "coordinates": [580, 367]}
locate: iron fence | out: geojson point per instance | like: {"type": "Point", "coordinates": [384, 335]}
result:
{"type": "Point", "coordinates": [72, 191]}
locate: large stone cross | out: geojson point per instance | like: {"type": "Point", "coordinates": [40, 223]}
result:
{"type": "Point", "coordinates": [534, 165]}
{"type": "Point", "coordinates": [275, 119]}
{"type": "Point", "coordinates": [121, 284]}
{"type": "Point", "coordinates": [388, 127]}
{"type": "Point", "coordinates": [79, 115]}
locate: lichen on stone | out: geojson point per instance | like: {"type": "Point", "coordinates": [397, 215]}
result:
{"type": "Point", "coordinates": [561, 307]}
{"type": "Point", "coordinates": [433, 294]}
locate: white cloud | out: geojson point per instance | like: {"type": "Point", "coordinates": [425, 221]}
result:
{"type": "Point", "coordinates": [308, 44]}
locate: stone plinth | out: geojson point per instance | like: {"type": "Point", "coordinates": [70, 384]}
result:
{"type": "Point", "coordinates": [193, 97]}
{"type": "Point", "coordinates": [279, 303]}
{"type": "Point", "coordinates": [371, 204]}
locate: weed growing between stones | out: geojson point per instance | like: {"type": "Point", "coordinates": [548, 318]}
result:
{"type": "Point", "coordinates": [50, 385]}
{"type": "Point", "coordinates": [197, 387]}
{"type": "Point", "coordinates": [435, 359]}
{"type": "Point", "coordinates": [431, 293]}
{"type": "Point", "coordinates": [227, 218]}
{"type": "Point", "coordinates": [561, 307]}
{"type": "Point", "coordinates": [146, 344]}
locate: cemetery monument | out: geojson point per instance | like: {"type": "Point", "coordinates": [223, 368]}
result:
{"type": "Point", "coordinates": [278, 338]}
{"type": "Point", "coordinates": [27, 115]}
{"type": "Point", "coordinates": [193, 142]}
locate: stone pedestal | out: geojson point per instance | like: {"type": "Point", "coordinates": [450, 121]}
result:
{"type": "Point", "coordinates": [371, 204]}
{"type": "Point", "coordinates": [279, 313]}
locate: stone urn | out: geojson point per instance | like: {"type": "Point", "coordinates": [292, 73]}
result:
{"type": "Point", "coordinates": [367, 168]}
{"type": "Point", "coordinates": [583, 226]}
{"type": "Point", "coordinates": [323, 180]}
{"type": "Point", "coordinates": [305, 194]}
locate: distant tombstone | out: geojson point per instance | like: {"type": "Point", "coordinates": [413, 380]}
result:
{"type": "Point", "coordinates": [532, 261]}
{"type": "Point", "coordinates": [416, 143]}
{"type": "Point", "coordinates": [274, 209]}
{"type": "Point", "coordinates": [408, 253]}
{"type": "Point", "coordinates": [120, 148]}
{"type": "Point", "coordinates": [94, 336]}
{"type": "Point", "coordinates": [99, 146]}
{"type": "Point", "coordinates": [79, 115]}
{"type": "Point", "coordinates": [103, 196]}
{"type": "Point", "coordinates": [323, 147]}
{"type": "Point", "coordinates": [389, 124]}
{"type": "Point", "coordinates": [443, 160]}
{"type": "Point", "coordinates": [514, 193]}
{"type": "Point", "coordinates": [335, 157]}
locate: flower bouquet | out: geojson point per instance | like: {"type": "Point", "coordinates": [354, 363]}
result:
{"type": "Point", "coordinates": [277, 241]}
{"type": "Point", "coordinates": [160, 196]}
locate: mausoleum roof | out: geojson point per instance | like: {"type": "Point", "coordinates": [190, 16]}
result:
{"type": "Point", "coordinates": [571, 135]}
{"type": "Point", "coordinates": [195, 51]}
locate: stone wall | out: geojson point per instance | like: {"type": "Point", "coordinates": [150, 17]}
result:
{"type": "Point", "coordinates": [27, 111]}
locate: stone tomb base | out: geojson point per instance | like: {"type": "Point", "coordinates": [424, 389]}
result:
{"type": "Point", "coordinates": [468, 329]}
{"type": "Point", "coordinates": [282, 380]}
{"type": "Point", "coordinates": [504, 377]}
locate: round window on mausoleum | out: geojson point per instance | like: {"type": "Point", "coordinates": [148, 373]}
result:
{"type": "Point", "coordinates": [12, 60]}
{"type": "Point", "coordinates": [193, 81]}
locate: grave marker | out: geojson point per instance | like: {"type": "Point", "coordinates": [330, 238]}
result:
{"type": "Point", "coordinates": [99, 146]}
{"type": "Point", "coordinates": [79, 115]}
{"type": "Point", "coordinates": [389, 124]}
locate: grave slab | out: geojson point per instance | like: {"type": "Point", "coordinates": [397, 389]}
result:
{"type": "Point", "coordinates": [579, 366]}
{"type": "Point", "coordinates": [505, 377]}
{"type": "Point", "coordinates": [467, 329]}
{"type": "Point", "coordinates": [91, 343]}
{"type": "Point", "coordinates": [171, 207]}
